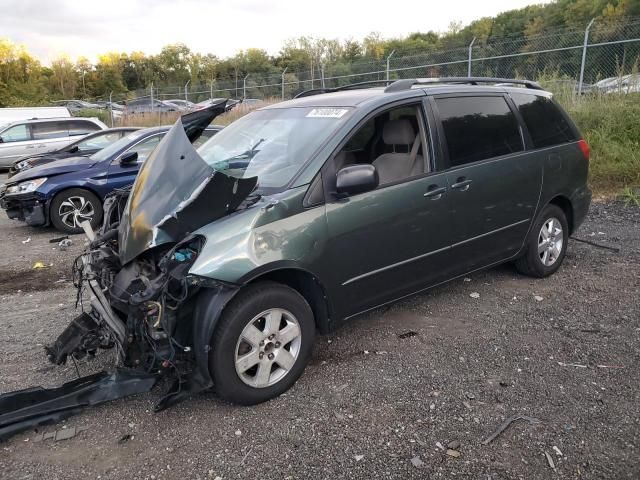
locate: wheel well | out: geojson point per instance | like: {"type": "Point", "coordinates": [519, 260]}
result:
{"type": "Point", "coordinates": [71, 188]}
{"type": "Point", "coordinates": [309, 287]}
{"type": "Point", "coordinates": [565, 204]}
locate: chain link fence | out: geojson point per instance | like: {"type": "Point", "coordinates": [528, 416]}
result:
{"type": "Point", "coordinates": [579, 57]}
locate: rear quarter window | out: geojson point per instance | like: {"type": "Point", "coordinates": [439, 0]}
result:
{"type": "Point", "coordinates": [478, 128]}
{"type": "Point", "coordinates": [82, 127]}
{"type": "Point", "coordinates": [547, 125]}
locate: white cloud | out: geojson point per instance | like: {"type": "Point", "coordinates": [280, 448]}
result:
{"type": "Point", "coordinates": [222, 27]}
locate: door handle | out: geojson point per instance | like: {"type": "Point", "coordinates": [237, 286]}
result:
{"type": "Point", "coordinates": [461, 184]}
{"type": "Point", "coordinates": [435, 192]}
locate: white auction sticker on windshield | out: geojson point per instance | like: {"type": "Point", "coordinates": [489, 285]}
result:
{"type": "Point", "coordinates": [327, 113]}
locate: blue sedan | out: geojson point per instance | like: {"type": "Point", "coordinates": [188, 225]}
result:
{"type": "Point", "coordinates": [67, 192]}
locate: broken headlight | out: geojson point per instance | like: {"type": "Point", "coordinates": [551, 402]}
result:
{"type": "Point", "coordinates": [25, 187]}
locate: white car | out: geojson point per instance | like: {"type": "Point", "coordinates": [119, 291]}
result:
{"type": "Point", "coordinates": [42, 135]}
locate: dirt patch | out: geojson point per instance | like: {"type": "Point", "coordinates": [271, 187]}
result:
{"type": "Point", "coordinates": [34, 280]}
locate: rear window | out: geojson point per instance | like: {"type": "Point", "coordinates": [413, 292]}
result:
{"type": "Point", "coordinates": [81, 127]}
{"type": "Point", "coordinates": [544, 120]}
{"type": "Point", "coordinates": [477, 128]}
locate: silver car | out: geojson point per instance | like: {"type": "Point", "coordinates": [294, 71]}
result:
{"type": "Point", "coordinates": [38, 136]}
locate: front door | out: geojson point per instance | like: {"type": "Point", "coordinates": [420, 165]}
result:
{"type": "Point", "coordinates": [122, 175]}
{"type": "Point", "coordinates": [391, 241]}
{"type": "Point", "coordinates": [494, 184]}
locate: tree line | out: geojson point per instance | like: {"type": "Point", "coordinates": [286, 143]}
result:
{"type": "Point", "coordinates": [25, 81]}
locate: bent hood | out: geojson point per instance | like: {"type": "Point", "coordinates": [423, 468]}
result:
{"type": "Point", "coordinates": [57, 167]}
{"type": "Point", "coordinates": [176, 191]}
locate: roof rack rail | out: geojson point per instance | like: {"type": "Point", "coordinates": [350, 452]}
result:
{"type": "Point", "coordinates": [368, 83]}
{"type": "Point", "coordinates": [406, 84]}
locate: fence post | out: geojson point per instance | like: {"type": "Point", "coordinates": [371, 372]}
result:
{"type": "Point", "coordinates": [244, 87]}
{"type": "Point", "coordinates": [211, 90]}
{"type": "Point", "coordinates": [111, 108]}
{"type": "Point", "coordinates": [151, 89]}
{"type": "Point", "coordinates": [322, 73]}
{"type": "Point", "coordinates": [388, 62]}
{"type": "Point", "coordinates": [470, 56]}
{"type": "Point", "coordinates": [283, 72]}
{"type": "Point", "coordinates": [584, 55]}
{"type": "Point", "coordinates": [185, 90]}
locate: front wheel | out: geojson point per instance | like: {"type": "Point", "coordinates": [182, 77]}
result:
{"type": "Point", "coordinates": [546, 244]}
{"type": "Point", "coordinates": [262, 343]}
{"type": "Point", "coordinates": [71, 207]}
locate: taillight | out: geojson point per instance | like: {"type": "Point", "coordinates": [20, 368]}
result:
{"type": "Point", "coordinates": [584, 147]}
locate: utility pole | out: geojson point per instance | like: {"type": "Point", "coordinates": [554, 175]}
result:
{"type": "Point", "coordinates": [186, 96]}
{"type": "Point", "coordinates": [244, 87]}
{"type": "Point", "coordinates": [283, 72]}
{"type": "Point", "coordinates": [389, 62]}
{"type": "Point", "coordinates": [110, 107]}
{"type": "Point", "coordinates": [584, 55]}
{"type": "Point", "coordinates": [84, 89]}
{"type": "Point", "coordinates": [322, 73]}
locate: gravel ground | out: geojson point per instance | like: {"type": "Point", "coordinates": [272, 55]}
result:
{"type": "Point", "coordinates": [373, 403]}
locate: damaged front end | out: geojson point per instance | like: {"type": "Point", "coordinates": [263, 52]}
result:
{"type": "Point", "coordinates": [134, 287]}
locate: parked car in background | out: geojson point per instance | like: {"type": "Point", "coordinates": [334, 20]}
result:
{"type": "Point", "coordinates": [83, 147]}
{"type": "Point", "coordinates": [183, 105]}
{"type": "Point", "coordinates": [620, 84]}
{"type": "Point", "coordinates": [15, 114]}
{"type": "Point", "coordinates": [41, 136]}
{"type": "Point", "coordinates": [68, 191]}
{"type": "Point", "coordinates": [147, 105]}
{"type": "Point", "coordinates": [75, 106]}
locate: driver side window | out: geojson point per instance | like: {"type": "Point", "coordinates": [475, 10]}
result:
{"type": "Point", "coordinates": [393, 141]}
{"type": "Point", "coordinates": [145, 147]}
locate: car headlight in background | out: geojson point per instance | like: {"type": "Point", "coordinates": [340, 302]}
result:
{"type": "Point", "coordinates": [23, 165]}
{"type": "Point", "coordinates": [25, 187]}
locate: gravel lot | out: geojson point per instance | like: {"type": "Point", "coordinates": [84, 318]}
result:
{"type": "Point", "coordinates": [372, 404]}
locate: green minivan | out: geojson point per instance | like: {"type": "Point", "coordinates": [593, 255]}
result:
{"type": "Point", "coordinates": [219, 265]}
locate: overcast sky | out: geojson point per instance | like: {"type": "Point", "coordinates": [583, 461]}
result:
{"type": "Point", "coordinates": [52, 27]}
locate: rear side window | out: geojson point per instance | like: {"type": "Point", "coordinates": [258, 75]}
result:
{"type": "Point", "coordinates": [477, 128]}
{"type": "Point", "coordinates": [81, 127]}
{"type": "Point", "coordinates": [47, 130]}
{"type": "Point", "coordinates": [544, 120]}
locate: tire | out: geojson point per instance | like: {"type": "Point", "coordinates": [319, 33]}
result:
{"type": "Point", "coordinates": [265, 378]}
{"type": "Point", "coordinates": [542, 258]}
{"type": "Point", "coordinates": [87, 207]}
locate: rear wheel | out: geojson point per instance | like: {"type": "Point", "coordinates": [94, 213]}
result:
{"type": "Point", "coordinates": [71, 207]}
{"type": "Point", "coordinates": [546, 244]}
{"type": "Point", "coordinates": [262, 343]}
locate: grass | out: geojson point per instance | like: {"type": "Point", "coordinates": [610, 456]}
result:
{"type": "Point", "coordinates": [609, 122]}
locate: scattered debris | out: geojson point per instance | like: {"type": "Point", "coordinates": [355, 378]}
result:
{"type": "Point", "coordinates": [417, 462]}
{"type": "Point", "coordinates": [64, 244]}
{"type": "Point", "coordinates": [550, 460]}
{"type": "Point", "coordinates": [474, 295]}
{"type": "Point", "coordinates": [408, 334]}
{"type": "Point", "coordinates": [610, 366]}
{"type": "Point", "coordinates": [432, 406]}
{"type": "Point", "coordinates": [453, 445]}
{"type": "Point", "coordinates": [238, 433]}
{"type": "Point", "coordinates": [439, 445]}
{"type": "Point", "coordinates": [27, 240]}
{"type": "Point", "coordinates": [453, 453]}
{"type": "Point", "coordinates": [562, 364]}
{"type": "Point", "coordinates": [125, 438]}
{"type": "Point", "coordinates": [467, 279]}
{"type": "Point", "coordinates": [61, 434]}
{"type": "Point", "coordinates": [506, 424]}
{"type": "Point", "coordinates": [467, 405]}
{"type": "Point", "coordinates": [538, 298]}
{"type": "Point", "coordinates": [39, 265]}
{"type": "Point", "coordinates": [557, 450]}
{"type": "Point", "coordinates": [358, 457]}
{"type": "Point", "coordinates": [594, 244]}
{"type": "Point", "coordinates": [470, 395]}
{"type": "Point", "coordinates": [58, 239]}
{"type": "Point", "coordinates": [366, 352]}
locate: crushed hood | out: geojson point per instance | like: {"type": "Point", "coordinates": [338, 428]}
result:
{"type": "Point", "coordinates": [176, 191]}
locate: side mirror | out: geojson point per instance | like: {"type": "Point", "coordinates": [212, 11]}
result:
{"type": "Point", "coordinates": [129, 158]}
{"type": "Point", "coordinates": [357, 179]}
{"type": "Point", "coordinates": [74, 149]}
{"type": "Point", "coordinates": [1, 140]}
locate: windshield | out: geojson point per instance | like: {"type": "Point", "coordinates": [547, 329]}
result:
{"type": "Point", "coordinates": [115, 147]}
{"type": "Point", "coordinates": [271, 144]}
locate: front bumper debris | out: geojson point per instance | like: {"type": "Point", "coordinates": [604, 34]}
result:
{"type": "Point", "coordinates": [37, 406]}
{"type": "Point", "coordinates": [26, 208]}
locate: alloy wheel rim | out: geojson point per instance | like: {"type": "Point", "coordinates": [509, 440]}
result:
{"type": "Point", "coordinates": [550, 241]}
{"type": "Point", "coordinates": [74, 210]}
{"type": "Point", "coordinates": [268, 348]}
